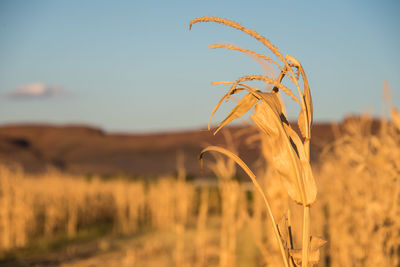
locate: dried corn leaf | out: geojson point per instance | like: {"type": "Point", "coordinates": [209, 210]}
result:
{"type": "Point", "coordinates": [315, 244]}
{"type": "Point", "coordinates": [225, 97]}
{"type": "Point", "coordinates": [308, 100]}
{"type": "Point", "coordinates": [244, 105]}
{"type": "Point", "coordinates": [245, 168]}
{"type": "Point", "coordinates": [288, 155]}
{"type": "Point", "coordinates": [302, 122]}
{"type": "Point", "coordinates": [309, 107]}
{"type": "Point", "coordinates": [284, 231]}
{"type": "Point", "coordinates": [310, 188]}
{"type": "Point", "coordinates": [273, 100]}
{"type": "Point", "coordinates": [266, 120]}
{"type": "Point", "coordinates": [306, 114]}
{"type": "Point", "coordinates": [282, 156]}
{"type": "Point", "coordinates": [251, 175]}
{"type": "Point", "coordinates": [231, 156]}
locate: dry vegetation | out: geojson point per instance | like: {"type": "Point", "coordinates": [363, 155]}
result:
{"type": "Point", "coordinates": [357, 210]}
{"type": "Point", "coordinates": [175, 222]}
{"type": "Point", "coordinates": [289, 152]}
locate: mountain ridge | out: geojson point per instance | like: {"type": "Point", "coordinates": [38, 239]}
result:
{"type": "Point", "coordinates": [82, 149]}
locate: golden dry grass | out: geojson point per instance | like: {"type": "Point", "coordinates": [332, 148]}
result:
{"type": "Point", "coordinates": [357, 211]}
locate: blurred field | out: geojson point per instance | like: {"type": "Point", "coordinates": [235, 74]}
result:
{"type": "Point", "coordinates": [60, 219]}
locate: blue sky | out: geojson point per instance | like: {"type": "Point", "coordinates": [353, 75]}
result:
{"type": "Point", "coordinates": [134, 65]}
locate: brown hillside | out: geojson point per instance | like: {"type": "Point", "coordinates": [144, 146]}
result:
{"type": "Point", "coordinates": [85, 150]}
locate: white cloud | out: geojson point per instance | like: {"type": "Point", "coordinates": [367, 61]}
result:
{"type": "Point", "coordinates": [36, 90]}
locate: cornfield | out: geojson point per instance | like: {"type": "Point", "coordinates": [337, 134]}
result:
{"type": "Point", "coordinates": [342, 211]}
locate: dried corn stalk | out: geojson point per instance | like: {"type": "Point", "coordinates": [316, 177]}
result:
{"type": "Point", "coordinates": [290, 154]}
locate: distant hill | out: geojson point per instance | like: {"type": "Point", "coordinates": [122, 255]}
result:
{"type": "Point", "coordinates": [89, 151]}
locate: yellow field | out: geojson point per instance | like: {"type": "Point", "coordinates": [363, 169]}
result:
{"type": "Point", "coordinates": [179, 223]}
{"type": "Point", "coordinates": [343, 211]}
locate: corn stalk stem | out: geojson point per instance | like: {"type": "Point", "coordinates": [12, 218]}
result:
{"type": "Point", "coordinates": [306, 218]}
{"type": "Point", "coordinates": [306, 236]}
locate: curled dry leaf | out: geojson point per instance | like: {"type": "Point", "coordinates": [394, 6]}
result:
{"type": "Point", "coordinates": [306, 113]}
{"type": "Point", "coordinates": [252, 177]}
{"type": "Point", "coordinates": [307, 100]}
{"type": "Point", "coordinates": [223, 166]}
{"type": "Point", "coordinates": [302, 122]}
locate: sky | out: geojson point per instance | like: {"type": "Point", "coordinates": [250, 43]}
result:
{"type": "Point", "coordinates": [134, 66]}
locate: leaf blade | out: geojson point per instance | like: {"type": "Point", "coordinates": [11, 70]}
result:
{"type": "Point", "coordinates": [244, 105]}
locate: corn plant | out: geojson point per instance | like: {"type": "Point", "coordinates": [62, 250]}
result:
{"type": "Point", "coordinates": [291, 152]}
